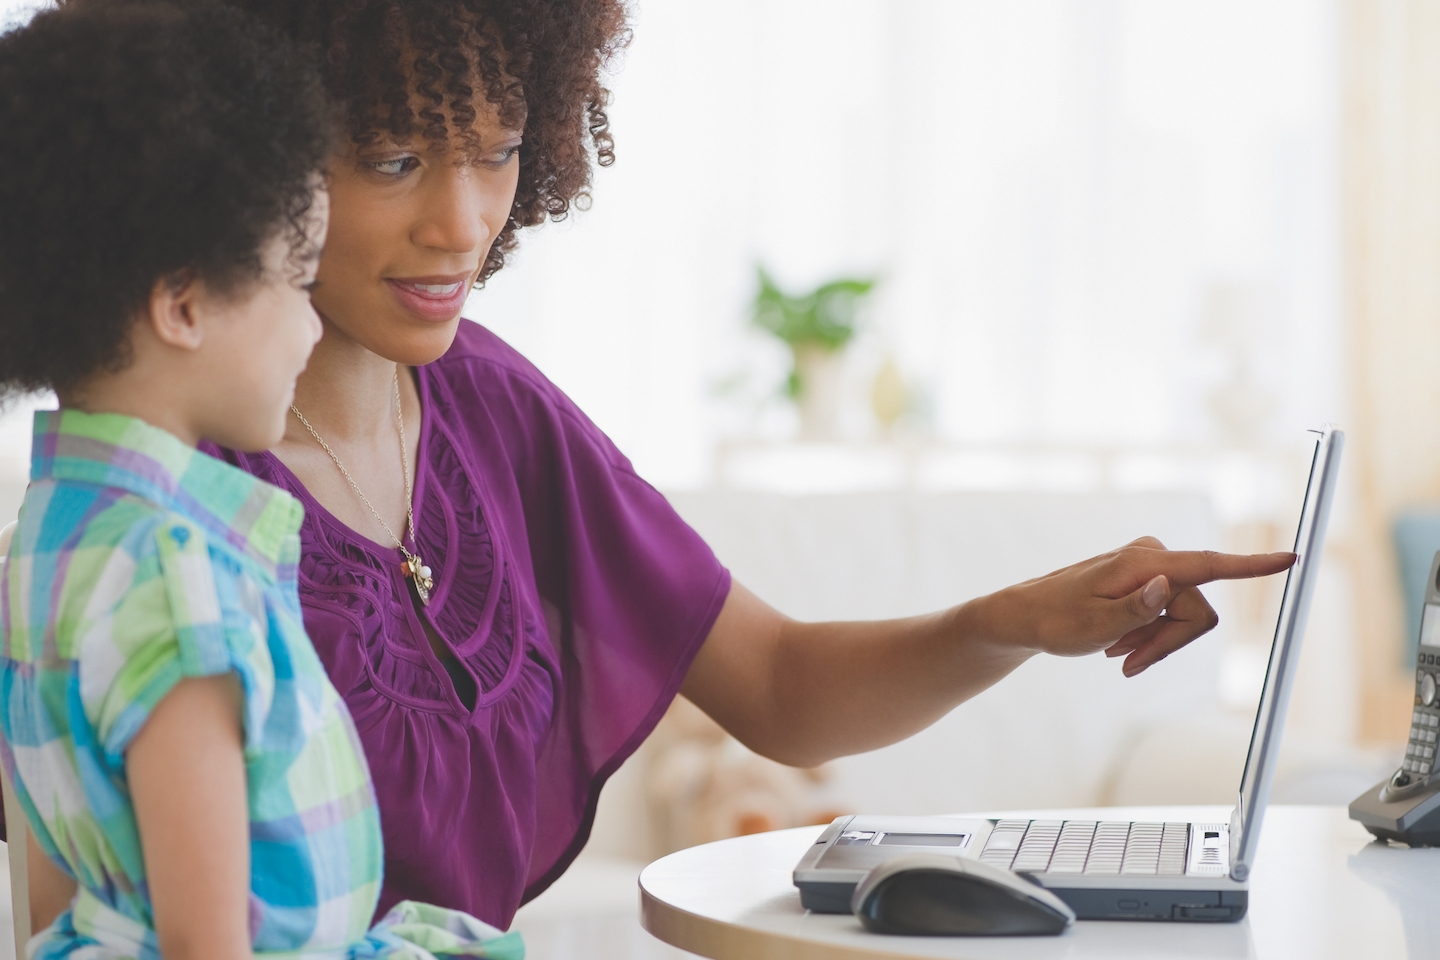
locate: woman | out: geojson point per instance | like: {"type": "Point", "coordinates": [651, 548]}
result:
{"type": "Point", "coordinates": [505, 606]}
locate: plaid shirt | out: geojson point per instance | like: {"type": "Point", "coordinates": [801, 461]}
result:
{"type": "Point", "coordinates": [139, 561]}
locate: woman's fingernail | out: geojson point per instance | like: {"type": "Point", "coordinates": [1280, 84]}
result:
{"type": "Point", "coordinates": [1154, 593]}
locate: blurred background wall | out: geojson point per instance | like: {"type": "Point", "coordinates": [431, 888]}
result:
{"type": "Point", "coordinates": [1124, 253]}
{"type": "Point", "coordinates": [1390, 154]}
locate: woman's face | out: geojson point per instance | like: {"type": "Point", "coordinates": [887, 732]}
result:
{"type": "Point", "coordinates": [410, 227]}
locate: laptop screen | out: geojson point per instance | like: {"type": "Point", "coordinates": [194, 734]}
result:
{"type": "Point", "coordinates": [1284, 653]}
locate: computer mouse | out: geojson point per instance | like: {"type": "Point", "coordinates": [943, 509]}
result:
{"type": "Point", "coordinates": [934, 895]}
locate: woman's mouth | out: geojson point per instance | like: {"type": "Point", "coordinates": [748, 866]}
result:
{"type": "Point", "coordinates": [433, 298]}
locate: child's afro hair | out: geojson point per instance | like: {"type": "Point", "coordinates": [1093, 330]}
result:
{"type": "Point", "coordinates": [141, 142]}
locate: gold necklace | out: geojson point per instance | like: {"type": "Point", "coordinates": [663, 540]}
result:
{"type": "Point", "coordinates": [412, 566]}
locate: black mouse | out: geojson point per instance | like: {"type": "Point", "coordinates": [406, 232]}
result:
{"type": "Point", "coordinates": [934, 895]}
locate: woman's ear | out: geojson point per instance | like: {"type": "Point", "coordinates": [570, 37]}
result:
{"type": "Point", "coordinates": [175, 309]}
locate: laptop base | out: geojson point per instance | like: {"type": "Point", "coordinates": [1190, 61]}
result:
{"type": "Point", "coordinates": [1193, 906]}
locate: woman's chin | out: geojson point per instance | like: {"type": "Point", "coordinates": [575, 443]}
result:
{"type": "Point", "coordinates": [411, 345]}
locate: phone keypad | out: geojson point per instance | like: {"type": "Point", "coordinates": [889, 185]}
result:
{"type": "Point", "coordinates": [1420, 752]}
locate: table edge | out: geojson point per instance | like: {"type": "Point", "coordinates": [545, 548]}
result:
{"type": "Point", "coordinates": [721, 940]}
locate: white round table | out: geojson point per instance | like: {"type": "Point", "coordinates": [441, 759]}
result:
{"type": "Point", "coordinates": [1321, 889]}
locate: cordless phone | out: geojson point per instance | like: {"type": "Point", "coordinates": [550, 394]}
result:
{"type": "Point", "coordinates": [1406, 807]}
{"type": "Point", "coordinates": [1420, 760]}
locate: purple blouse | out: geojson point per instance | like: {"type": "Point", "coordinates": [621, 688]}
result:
{"type": "Point", "coordinates": [572, 594]}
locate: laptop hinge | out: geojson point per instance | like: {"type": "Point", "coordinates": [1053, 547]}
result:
{"type": "Point", "coordinates": [1239, 871]}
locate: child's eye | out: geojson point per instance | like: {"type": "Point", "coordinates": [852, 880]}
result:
{"type": "Point", "coordinates": [395, 167]}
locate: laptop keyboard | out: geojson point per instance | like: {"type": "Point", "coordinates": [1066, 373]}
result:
{"type": "Point", "coordinates": [1096, 847]}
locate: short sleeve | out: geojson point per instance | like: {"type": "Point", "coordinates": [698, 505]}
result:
{"type": "Point", "coordinates": [628, 590]}
{"type": "Point", "coordinates": [634, 592]}
{"type": "Point", "coordinates": [188, 613]}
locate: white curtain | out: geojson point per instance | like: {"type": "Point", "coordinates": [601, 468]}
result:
{"type": "Point", "coordinates": [1095, 221]}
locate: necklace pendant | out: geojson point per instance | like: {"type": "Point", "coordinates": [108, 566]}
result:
{"type": "Point", "coordinates": [416, 570]}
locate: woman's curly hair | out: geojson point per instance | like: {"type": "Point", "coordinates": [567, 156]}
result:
{"type": "Point", "coordinates": [141, 142]}
{"type": "Point", "coordinates": [538, 61]}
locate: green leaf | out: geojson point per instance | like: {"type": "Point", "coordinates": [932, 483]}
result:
{"type": "Point", "coordinates": [826, 317]}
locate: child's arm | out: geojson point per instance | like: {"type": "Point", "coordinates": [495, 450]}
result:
{"type": "Point", "coordinates": [187, 779]}
{"type": "Point", "coordinates": [51, 889]}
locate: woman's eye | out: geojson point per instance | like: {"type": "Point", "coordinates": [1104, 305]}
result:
{"type": "Point", "coordinates": [503, 157]}
{"type": "Point", "coordinates": [397, 167]}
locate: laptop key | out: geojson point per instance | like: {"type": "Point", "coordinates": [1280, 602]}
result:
{"type": "Point", "coordinates": [1173, 842]}
{"type": "Point", "coordinates": [1142, 849]}
{"type": "Point", "coordinates": [1107, 850]}
{"type": "Point", "coordinates": [1038, 845]}
{"type": "Point", "coordinates": [1072, 846]}
{"type": "Point", "coordinates": [1003, 842]}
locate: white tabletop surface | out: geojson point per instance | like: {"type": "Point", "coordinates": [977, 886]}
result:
{"type": "Point", "coordinates": [1320, 889]}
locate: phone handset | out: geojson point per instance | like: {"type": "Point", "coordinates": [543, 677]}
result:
{"type": "Point", "coordinates": [1420, 763]}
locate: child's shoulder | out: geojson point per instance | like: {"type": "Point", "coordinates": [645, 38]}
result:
{"type": "Point", "coordinates": [117, 598]}
{"type": "Point", "coordinates": [101, 556]}
{"type": "Point", "coordinates": [65, 518]}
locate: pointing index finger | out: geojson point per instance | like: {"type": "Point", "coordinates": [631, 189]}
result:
{"type": "Point", "coordinates": [1194, 567]}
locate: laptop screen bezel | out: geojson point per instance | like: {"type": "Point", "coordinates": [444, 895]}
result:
{"type": "Point", "coordinates": [1259, 772]}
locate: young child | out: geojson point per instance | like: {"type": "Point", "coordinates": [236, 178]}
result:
{"type": "Point", "coordinates": [185, 765]}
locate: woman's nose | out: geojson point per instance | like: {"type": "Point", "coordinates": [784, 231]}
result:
{"type": "Point", "coordinates": [459, 210]}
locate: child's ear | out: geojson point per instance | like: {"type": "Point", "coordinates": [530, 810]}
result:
{"type": "Point", "coordinates": [175, 310]}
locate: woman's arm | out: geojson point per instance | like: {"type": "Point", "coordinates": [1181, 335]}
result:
{"type": "Point", "coordinates": [187, 779]}
{"type": "Point", "coordinates": [804, 693]}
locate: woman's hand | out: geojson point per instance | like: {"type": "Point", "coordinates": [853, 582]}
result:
{"type": "Point", "coordinates": [1140, 602]}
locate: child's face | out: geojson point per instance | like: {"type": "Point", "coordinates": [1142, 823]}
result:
{"type": "Point", "coordinates": [259, 341]}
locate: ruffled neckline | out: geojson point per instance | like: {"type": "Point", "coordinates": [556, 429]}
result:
{"type": "Point", "coordinates": [345, 572]}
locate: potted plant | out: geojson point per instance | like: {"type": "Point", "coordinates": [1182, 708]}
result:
{"type": "Point", "coordinates": [816, 326]}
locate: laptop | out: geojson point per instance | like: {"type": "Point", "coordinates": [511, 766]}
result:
{"type": "Point", "coordinates": [1115, 869]}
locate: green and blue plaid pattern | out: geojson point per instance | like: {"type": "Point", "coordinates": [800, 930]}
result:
{"type": "Point", "coordinates": [139, 561]}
